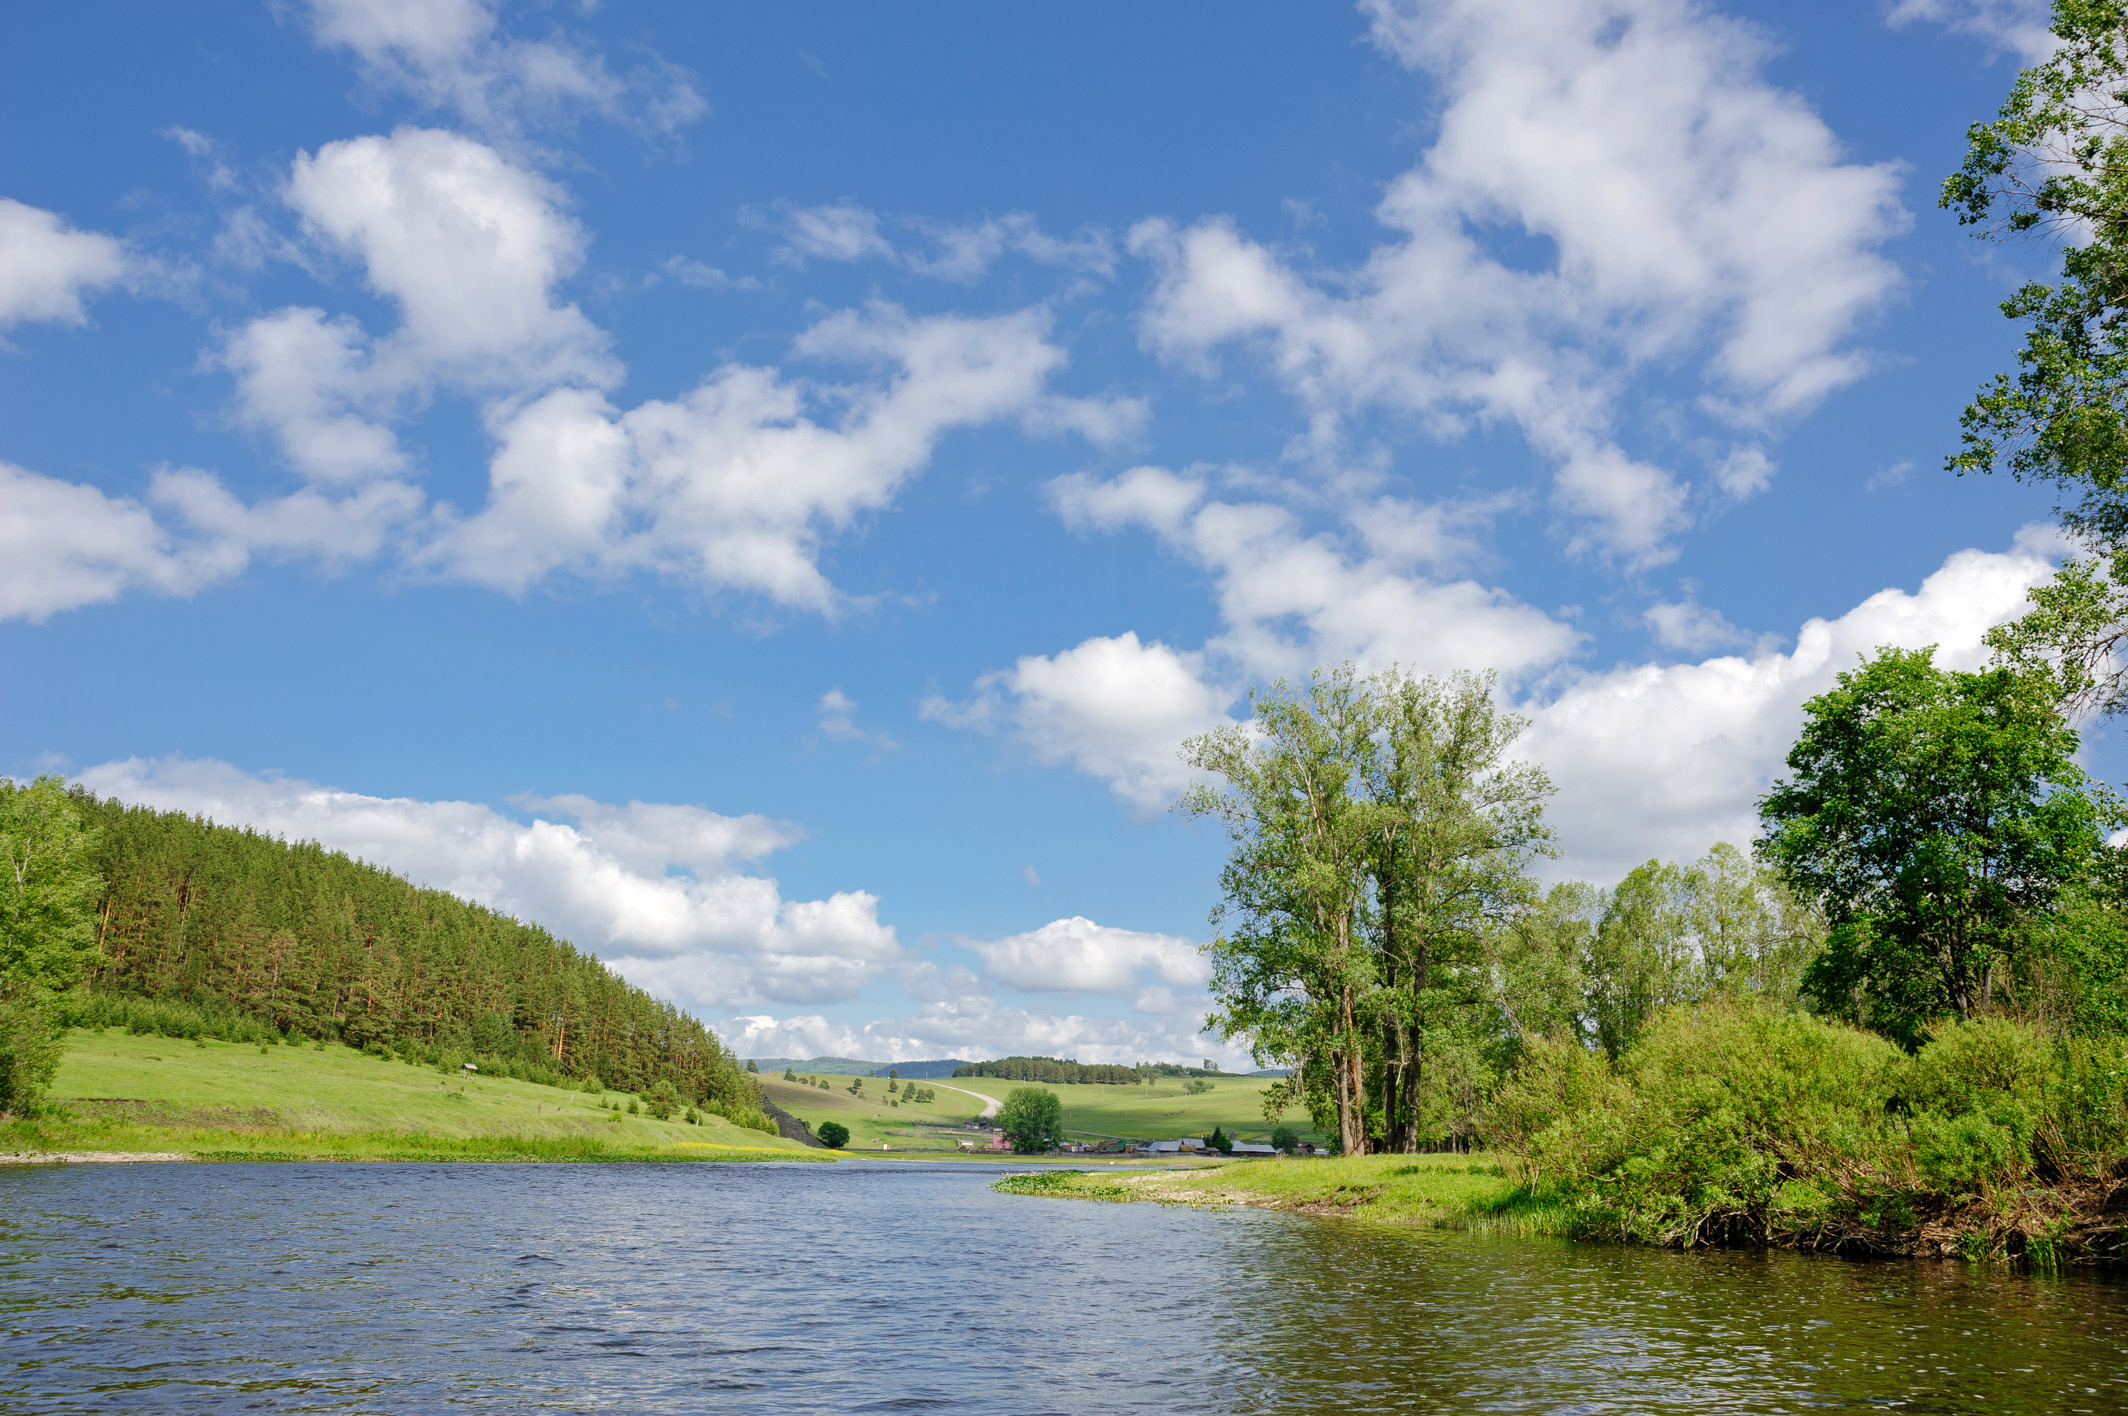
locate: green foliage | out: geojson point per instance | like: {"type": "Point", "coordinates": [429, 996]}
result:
{"type": "Point", "coordinates": [48, 886]}
{"type": "Point", "coordinates": [30, 1046]}
{"type": "Point", "coordinates": [48, 891]}
{"type": "Point", "coordinates": [662, 1100]}
{"type": "Point", "coordinates": [1934, 816]}
{"type": "Point", "coordinates": [1720, 928]}
{"type": "Point", "coordinates": [1737, 1124]}
{"type": "Point", "coordinates": [1032, 1119]}
{"type": "Point", "coordinates": [1220, 1141]}
{"type": "Point", "coordinates": [635, 1108]}
{"type": "Point", "coordinates": [1284, 1138]}
{"type": "Point", "coordinates": [1381, 835]}
{"type": "Point", "coordinates": [2055, 160]}
{"type": "Point", "coordinates": [832, 1134]}
{"type": "Point", "coordinates": [740, 1114]}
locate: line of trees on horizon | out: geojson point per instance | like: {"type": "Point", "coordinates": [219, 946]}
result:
{"type": "Point", "coordinates": [1063, 1071]}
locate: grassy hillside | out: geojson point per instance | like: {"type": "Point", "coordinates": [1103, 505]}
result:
{"type": "Point", "coordinates": [247, 933]}
{"type": "Point", "coordinates": [121, 1092]}
{"type": "Point", "coordinates": [935, 1126]}
{"type": "Point", "coordinates": [1161, 1111]}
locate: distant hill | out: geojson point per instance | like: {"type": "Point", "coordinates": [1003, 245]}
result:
{"type": "Point", "coordinates": [241, 931]}
{"type": "Point", "coordinates": [858, 1067]}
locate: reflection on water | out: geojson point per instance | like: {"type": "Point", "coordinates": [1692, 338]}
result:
{"type": "Point", "coordinates": [868, 1287]}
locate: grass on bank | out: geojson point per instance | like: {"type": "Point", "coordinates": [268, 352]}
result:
{"type": "Point", "coordinates": [1158, 1111]}
{"type": "Point", "coordinates": [116, 1092]}
{"type": "Point", "coordinates": [1443, 1191]}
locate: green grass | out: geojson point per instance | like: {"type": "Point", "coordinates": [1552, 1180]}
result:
{"type": "Point", "coordinates": [219, 1100]}
{"type": "Point", "coordinates": [1161, 1111]}
{"type": "Point", "coordinates": [1443, 1191]}
{"type": "Point", "coordinates": [924, 1127]}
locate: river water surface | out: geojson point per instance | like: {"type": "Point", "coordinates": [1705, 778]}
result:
{"type": "Point", "coordinates": [875, 1287]}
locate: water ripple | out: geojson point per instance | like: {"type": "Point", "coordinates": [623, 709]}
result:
{"type": "Point", "coordinates": [361, 1288]}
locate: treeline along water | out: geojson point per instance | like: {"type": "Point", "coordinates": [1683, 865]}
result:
{"type": "Point", "coordinates": [308, 942]}
{"type": "Point", "coordinates": [866, 1287]}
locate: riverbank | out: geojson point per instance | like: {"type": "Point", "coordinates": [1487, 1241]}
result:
{"type": "Point", "coordinates": [139, 1096]}
{"type": "Point", "coordinates": [1440, 1191]}
{"type": "Point", "coordinates": [2037, 1227]}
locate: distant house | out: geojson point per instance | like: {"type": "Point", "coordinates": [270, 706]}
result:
{"type": "Point", "coordinates": [999, 1143]}
{"type": "Point", "coordinates": [1162, 1147]}
{"type": "Point", "coordinates": [1251, 1148]}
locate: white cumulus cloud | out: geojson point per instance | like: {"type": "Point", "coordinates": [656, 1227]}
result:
{"type": "Point", "coordinates": [46, 266]}
{"type": "Point", "coordinates": [1665, 760]}
{"type": "Point", "coordinates": [1076, 955]}
{"type": "Point", "coordinates": [1689, 206]}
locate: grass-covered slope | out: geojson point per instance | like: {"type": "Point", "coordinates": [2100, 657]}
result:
{"type": "Point", "coordinates": [930, 1126]}
{"type": "Point", "coordinates": [119, 1092]}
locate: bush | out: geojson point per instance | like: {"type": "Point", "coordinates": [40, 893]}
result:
{"type": "Point", "coordinates": [833, 1134]}
{"type": "Point", "coordinates": [662, 1101]}
{"type": "Point", "coordinates": [1284, 1138]}
{"type": "Point", "coordinates": [165, 1017]}
{"type": "Point", "coordinates": [1700, 1132]}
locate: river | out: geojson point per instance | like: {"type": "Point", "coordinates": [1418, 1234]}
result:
{"type": "Point", "coordinates": [868, 1286]}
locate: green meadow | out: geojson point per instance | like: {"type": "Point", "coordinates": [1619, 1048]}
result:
{"type": "Point", "coordinates": [1158, 1111]}
{"type": "Point", "coordinates": [116, 1092]}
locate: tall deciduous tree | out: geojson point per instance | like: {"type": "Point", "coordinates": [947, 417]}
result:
{"type": "Point", "coordinates": [1935, 816]}
{"type": "Point", "coordinates": [1381, 841]}
{"type": "Point", "coordinates": [1288, 967]}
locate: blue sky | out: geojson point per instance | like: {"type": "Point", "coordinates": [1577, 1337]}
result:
{"type": "Point", "coordinates": [766, 490]}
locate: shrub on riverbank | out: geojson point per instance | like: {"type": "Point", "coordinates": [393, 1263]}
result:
{"type": "Point", "coordinates": [1736, 1125]}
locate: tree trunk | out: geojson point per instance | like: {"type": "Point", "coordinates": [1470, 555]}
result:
{"type": "Point", "coordinates": [1351, 1120]}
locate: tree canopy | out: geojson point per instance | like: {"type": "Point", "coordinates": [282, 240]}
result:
{"type": "Point", "coordinates": [2053, 163]}
{"type": "Point", "coordinates": [1032, 1119]}
{"type": "Point", "coordinates": [1381, 836]}
{"type": "Point", "coordinates": [1935, 816]}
